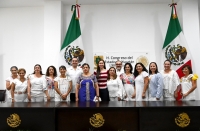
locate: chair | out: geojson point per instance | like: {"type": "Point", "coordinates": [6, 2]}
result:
{"type": "Point", "coordinates": [2, 95]}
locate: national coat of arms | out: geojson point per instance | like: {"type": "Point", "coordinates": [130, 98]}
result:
{"type": "Point", "coordinates": [13, 120]}
{"type": "Point", "coordinates": [176, 54]}
{"type": "Point", "coordinates": [72, 52]}
{"type": "Point", "coordinates": [182, 120]}
{"type": "Point", "coordinates": [97, 120]}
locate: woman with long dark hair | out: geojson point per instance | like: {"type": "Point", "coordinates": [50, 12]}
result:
{"type": "Point", "coordinates": [128, 80]}
{"type": "Point", "coordinates": [141, 82]}
{"type": "Point", "coordinates": [155, 83]}
{"type": "Point", "coordinates": [37, 85]}
{"type": "Point", "coordinates": [102, 75]}
{"type": "Point", "coordinates": [51, 74]}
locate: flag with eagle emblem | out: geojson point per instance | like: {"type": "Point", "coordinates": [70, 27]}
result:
{"type": "Point", "coordinates": [175, 46]}
{"type": "Point", "coordinates": [72, 45]}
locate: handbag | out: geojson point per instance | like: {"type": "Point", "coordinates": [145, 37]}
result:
{"type": "Point", "coordinates": [2, 95]}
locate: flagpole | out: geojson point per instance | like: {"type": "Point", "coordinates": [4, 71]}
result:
{"type": "Point", "coordinates": [172, 1]}
{"type": "Point", "coordinates": [76, 1]}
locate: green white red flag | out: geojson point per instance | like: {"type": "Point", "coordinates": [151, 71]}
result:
{"type": "Point", "coordinates": [175, 47]}
{"type": "Point", "coordinates": [72, 45]}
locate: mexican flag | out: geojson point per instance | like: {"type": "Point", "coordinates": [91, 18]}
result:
{"type": "Point", "coordinates": [72, 45]}
{"type": "Point", "coordinates": [175, 46]}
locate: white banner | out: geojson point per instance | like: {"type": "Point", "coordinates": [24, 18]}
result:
{"type": "Point", "coordinates": [131, 57]}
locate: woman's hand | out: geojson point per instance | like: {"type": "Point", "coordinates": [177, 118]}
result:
{"type": "Point", "coordinates": [184, 95]}
{"type": "Point", "coordinates": [133, 96]}
{"type": "Point", "coordinates": [64, 96]}
{"type": "Point", "coordinates": [143, 95]}
{"type": "Point", "coordinates": [29, 96]}
{"type": "Point", "coordinates": [48, 98]}
{"type": "Point", "coordinates": [119, 99]}
{"type": "Point", "coordinates": [13, 100]}
{"type": "Point", "coordinates": [97, 98]}
{"type": "Point", "coordinates": [77, 99]}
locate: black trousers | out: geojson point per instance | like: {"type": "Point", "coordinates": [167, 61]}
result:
{"type": "Point", "coordinates": [104, 94]}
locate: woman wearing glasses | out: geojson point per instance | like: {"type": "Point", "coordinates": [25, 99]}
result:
{"type": "Point", "coordinates": [63, 85]}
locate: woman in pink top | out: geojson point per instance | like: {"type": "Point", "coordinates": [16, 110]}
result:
{"type": "Point", "coordinates": [102, 75]}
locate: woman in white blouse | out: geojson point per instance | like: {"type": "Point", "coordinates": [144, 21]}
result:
{"type": "Point", "coordinates": [188, 83]}
{"type": "Point", "coordinates": [63, 85]}
{"type": "Point", "coordinates": [37, 85]}
{"type": "Point", "coordinates": [114, 85]}
{"type": "Point", "coordinates": [141, 82]}
{"type": "Point", "coordinates": [19, 87]}
{"type": "Point", "coordinates": [170, 80]}
{"type": "Point", "coordinates": [51, 74]}
{"type": "Point", "coordinates": [9, 80]}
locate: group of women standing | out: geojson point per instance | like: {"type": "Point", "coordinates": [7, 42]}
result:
{"type": "Point", "coordinates": [102, 85]}
{"type": "Point", "coordinates": [38, 87]}
{"type": "Point", "coordinates": [139, 85]}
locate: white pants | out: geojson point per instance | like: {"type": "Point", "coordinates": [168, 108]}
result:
{"type": "Point", "coordinates": [51, 99]}
{"type": "Point", "coordinates": [20, 97]}
{"type": "Point", "coordinates": [7, 99]}
{"type": "Point", "coordinates": [37, 98]}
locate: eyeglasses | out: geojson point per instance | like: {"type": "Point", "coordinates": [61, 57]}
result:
{"type": "Point", "coordinates": [13, 70]}
{"type": "Point", "coordinates": [118, 64]}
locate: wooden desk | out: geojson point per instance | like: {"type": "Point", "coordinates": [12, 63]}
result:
{"type": "Point", "coordinates": [118, 116]}
{"type": "Point", "coordinates": [34, 116]}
